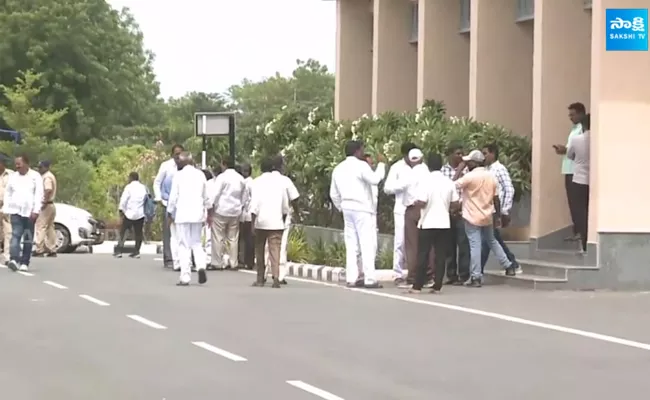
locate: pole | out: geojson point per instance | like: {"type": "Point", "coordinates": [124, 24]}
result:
{"type": "Point", "coordinates": [204, 161]}
{"type": "Point", "coordinates": [231, 137]}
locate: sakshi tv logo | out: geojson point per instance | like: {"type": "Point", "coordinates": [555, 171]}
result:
{"type": "Point", "coordinates": [627, 29]}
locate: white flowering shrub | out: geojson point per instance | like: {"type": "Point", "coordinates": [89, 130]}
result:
{"type": "Point", "coordinates": [313, 145]}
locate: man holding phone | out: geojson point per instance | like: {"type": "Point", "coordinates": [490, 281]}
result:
{"type": "Point", "coordinates": [577, 112]}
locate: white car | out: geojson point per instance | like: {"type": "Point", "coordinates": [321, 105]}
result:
{"type": "Point", "coordinates": [75, 227]}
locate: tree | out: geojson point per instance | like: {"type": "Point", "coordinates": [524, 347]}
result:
{"type": "Point", "coordinates": [91, 58]}
{"type": "Point", "coordinates": [311, 85]}
{"type": "Point", "coordinates": [19, 112]}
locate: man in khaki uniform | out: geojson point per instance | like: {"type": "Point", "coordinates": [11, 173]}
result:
{"type": "Point", "coordinates": [5, 223]}
{"type": "Point", "coordinates": [45, 233]}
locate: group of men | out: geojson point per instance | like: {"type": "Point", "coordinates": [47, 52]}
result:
{"type": "Point", "coordinates": [28, 212]}
{"type": "Point", "coordinates": [447, 217]}
{"type": "Point", "coordinates": [240, 214]}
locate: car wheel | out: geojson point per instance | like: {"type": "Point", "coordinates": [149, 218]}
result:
{"type": "Point", "coordinates": [62, 238]}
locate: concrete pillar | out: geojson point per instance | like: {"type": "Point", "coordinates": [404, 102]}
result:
{"type": "Point", "coordinates": [620, 138]}
{"type": "Point", "coordinates": [443, 56]}
{"type": "Point", "coordinates": [394, 66]}
{"type": "Point", "coordinates": [561, 76]}
{"type": "Point", "coordinates": [501, 65]}
{"type": "Point", "coordinates": [353, 93]}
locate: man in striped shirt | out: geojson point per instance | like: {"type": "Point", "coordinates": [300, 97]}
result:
{"type": "Point", "coordinates": [506, 197]}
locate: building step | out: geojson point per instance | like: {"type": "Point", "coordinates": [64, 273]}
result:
{"type": "Point", "coordinates": [572, 257]}
{"type": "Point", "coordinates": [529, 281]}
{"type": "Point", "coordinates": [551, 269]}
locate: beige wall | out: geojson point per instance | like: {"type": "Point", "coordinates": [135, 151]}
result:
{"type": "Point", "coordinates": [394, 67]}
{"type": "Point", "coordinates": [561, 76]}
{"type": "Point", "coordinates": [620, 131]}
{"type": "Point", "coordinates": [353, 94]}
{"type": "Point", "coordinates": [443, 56]}
{"type": "Point", "coordinates": [501, 66]}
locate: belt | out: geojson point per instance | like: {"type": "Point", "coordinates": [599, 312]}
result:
{"type": "Point", "coordinates": [48, 202]}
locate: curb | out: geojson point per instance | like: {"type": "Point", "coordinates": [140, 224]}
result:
{"type": "Point", "coordinates": [329, 274]}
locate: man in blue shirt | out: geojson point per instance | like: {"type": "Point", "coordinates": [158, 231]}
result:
{"type": "Point", "coordinates": [161, 187]}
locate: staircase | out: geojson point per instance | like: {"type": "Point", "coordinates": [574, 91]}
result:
{"type": "Point", "coordinates": [546, 269]}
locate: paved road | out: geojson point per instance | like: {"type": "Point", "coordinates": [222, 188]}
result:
{"type": "Point", "coordinates": [91, 327]}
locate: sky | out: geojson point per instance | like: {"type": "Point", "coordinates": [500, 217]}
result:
{"type": "Point", "coordinates": [209, 45]}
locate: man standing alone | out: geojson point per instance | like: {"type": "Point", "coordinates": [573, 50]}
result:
{"type": "Point", "coordinates": [229, 191]}
{"type": "Point", "coordinates": [5, 223]}
{"type": "Point", "coordinates": [246, 248]}
{"type": "Point", "coordinates": [188, 207]}
{"type": "Point", "coordinates": [45, 233]}
{"type": "Point", "coordinates": [23, 200]}
{"type": "Point", "coordinates": [162, 185]}
{"type": "Point", "coordinates": [351, 193]}
{"type": "Point", "coordinates": [132, 212]}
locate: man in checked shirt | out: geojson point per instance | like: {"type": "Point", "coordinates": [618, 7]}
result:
{"type": "Point", "coordinates": [506, 197]}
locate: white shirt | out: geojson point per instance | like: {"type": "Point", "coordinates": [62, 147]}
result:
{"type": "Point", "coordinates": [229, 192]}
{"type": "Point", "coordinates": [578, 152]}
{"type": "Point", "coordinates": [352, 182]}
{"type": "Point", "coordinates": [413, 178]}
{"type": "Point", "coordinates": [246, 213]}
{"type": "Point", "coordinates": [292, 195]}
{"type": "Point", "coordinates": [23, 194]}
{"type": "Point", "coordinates": [438, 192]}
{"type": "Point", "coordinates": [167, 167]}
{"type": "Point", "coordinates": [132, 200]}
{"type": "Point", "coordinates": [396, 183]}
{"type": "Point", "coordinates": [189, 200]}
{"type": "Point", "coordinates": [270, 201]}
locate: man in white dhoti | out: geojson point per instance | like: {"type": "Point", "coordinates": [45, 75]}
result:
{"type": "Point", "coordinates": [188, 208]}
{"type": "Point", "coordinates": [351, 192]}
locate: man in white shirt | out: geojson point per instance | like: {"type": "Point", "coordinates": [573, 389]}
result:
{"type": "Point", "coordinates": [418, 172]}
{"type": "Point", "coordinates": [395, 184]}
{"type": "Point", "coordinates": [228, 201]}
{"type": "Point", "coordinates": [269, 208]}
{"type": "Point", "coordinates": [579, 152]}
{"type": "Point", "coordinates": [437, 197]}
{"type": "Point", "coordinates": [292, 196]}
{"type": "Point", "coordinates": [351, 193]}
{"type": "Point", "coordinates": [161, 187]}
{"type": "Point", "coordinates": [5, 223]}
{"type": "Point", "coordinates": [132, 212]}
{"type": "Point", "coordinates": [23, 200]}
{"type": "Point", "coordinates": [246, 247]}
{"type": "Point", "coordinates": [188, 208]}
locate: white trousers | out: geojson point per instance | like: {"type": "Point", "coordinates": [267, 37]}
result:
{"type": "Point", "coordinates": [189, 242]}
{"type": "Point", "coordinates": [360, 235]}
{"type": "Point", "coordinates": [173, 246]}
{"type": "Point", "coordinates": [284, 268]}
{"type": "Point", "coordinates": [399, 255]}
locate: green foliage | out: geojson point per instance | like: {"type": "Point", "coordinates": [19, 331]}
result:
{"type": "Point", "coordinates": [313, 145]}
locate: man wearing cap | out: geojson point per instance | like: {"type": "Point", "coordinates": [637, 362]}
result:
{"type": "Point", "coordinates": [418, 173]}
{"type": "Point", "coordinates": [5, 224]}
{"type": "Point", "coordinates": [351, 193]}
{"type": "Point", "coordinates": [481, 211]}
{"type": "Point", "coordinates": [45, 235]}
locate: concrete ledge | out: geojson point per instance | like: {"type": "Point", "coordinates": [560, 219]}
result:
{"type": "Point", "coordinates": [108, 247]}
{"type": "Point", "coordinates": [329, 274]}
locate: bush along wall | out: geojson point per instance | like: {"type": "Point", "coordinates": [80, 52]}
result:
{"type": "Point", "coordinates": [313, 145]}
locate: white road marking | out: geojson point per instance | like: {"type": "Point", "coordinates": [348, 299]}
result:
{"type": "Point", "coordinates": [502, 317]}
{"type": "Point", "coordinates": [147, 322]}
{"type": "Point", "coordinates": [94, 300]}
{"type": "Point", "coordinates": [314, 390]}
{"type": "Point", "coordinates": [218, 351]}
{"type": "Point", "coordinates": [54, 284]}
{"type": "Point", "coordinates": [25, 273]}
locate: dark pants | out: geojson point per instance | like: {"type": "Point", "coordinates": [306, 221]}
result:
{"type": "Point", "coordinates": [582, 213]}
{"type": "Point", "coordinates": [167, 234]}
{"type": "Point", "coordinates": [458, 252]}
{"type": "Point", "coordinates": [485, 251]}
{"type": "Point", "coordinates": [411, 238]}
{"type": "Point", "coordinates": [246, 246]}
{"type": "Point", "coordinates": [22, 230]}
{"type": "Point", "coordinates": [136, 226]}
{"type": "Point", "coordinates": [572, 199]}
{"type": "Point", "coordinates": [436, 240]}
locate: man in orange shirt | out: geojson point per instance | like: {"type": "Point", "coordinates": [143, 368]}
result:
{"type": "Point", "coordinates": [480, 202]}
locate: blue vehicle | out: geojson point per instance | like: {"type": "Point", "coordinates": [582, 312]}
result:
{"type": "Point", "coordinates": [7, 135]}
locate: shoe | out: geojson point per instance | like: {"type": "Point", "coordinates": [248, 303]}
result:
{"type": "Point", "coordinates": [375, 285]}
{"type": "Point", "coordinates": [203, 277]}
{"type": "Point", "coordinates": [52, 255]}
{"type": "Point", "coordinates": [510, 271]}
{"type": "Point", "coordinates": [518, 269]}
{"type": "Point", "coordinates": [399, 281]}
{"type": "Point", "coordinates": [283, 282]}
{"type": "Point", "coordinates": [435, 291]}
{"type": "Point", "coordinates": [134, 255]}
{"type": "Point", "coordinates": [117, 255]}
{"type": "Point", "coordinates": [276, 284]}
{"type": "Point", "coordinates": [258, 284]}
{"type": "Point", "coordinates": [183, 284]}
{"type": "Point", "coordinates": [12, 265]}
{"type": "Point", "coordinates": [39, 254]}
{"type": "Point", "coordinates": [428, 285]}
{"type": "Point", "coordinates": [23, 268]}
{"type": "Point", "coordinates": [473, 282]}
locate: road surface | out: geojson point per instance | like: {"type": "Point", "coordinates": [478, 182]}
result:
{"type": "Point", "coordinates": [91, 327]}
